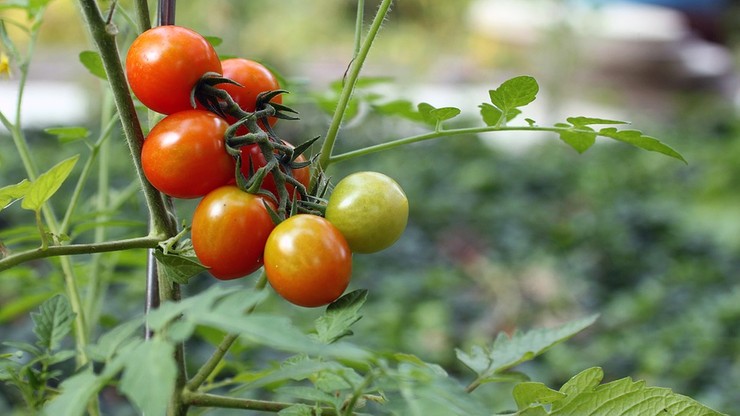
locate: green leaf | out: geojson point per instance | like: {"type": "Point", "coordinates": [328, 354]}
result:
{"type": "Point", "coordinates": [586, 121]}
{"type": "Point", "coordinates": [110, 342]}
{"type": "Point", "coordinates": [339, 316]}
{"type": "Point", "coordinates": [581, 139]}
{"type": "Point", "coordinates": [179, 267]}
{"type": "Point", "coordinates": [47, 184]}
{"type": "Point", "coordinates": [149, 380]}
{"type": "Point", "coordinates": [94, 63]}
{"type": "Point", "coordinates": [12, 193]}
{"type": "Point", "coordinates": [76, 394]}
{"type": "Point", "coordinates": [52, 322]}
{"type": "Point", "coordinates": [15, 307]}
{"type": "Point", "coordinates": [295, 368]}
{"type": "Point", "coordinates": [68, 134]}
{"type": "Point", "coordinates": [637, 138]}
{"type": "Point", "coordinates": [624, 397]}
{"type": "Point", "coordinates": [434, 116]}
{"type": "Point", "coordinates": [215, 41]}
{"type": "Point", "coordinates": [507, 352]}
{"type": "Point", "coordinates": [310, 394]}
{"type": "Point", "coordinates": [530, 394]}
{"type": "Point", "coordinates": [512, 94]}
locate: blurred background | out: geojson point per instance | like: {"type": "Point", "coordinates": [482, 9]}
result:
{"type": "Point", "coordinates": [507, 230]}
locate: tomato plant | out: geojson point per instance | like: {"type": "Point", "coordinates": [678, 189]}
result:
{"type": "Point", "coordinates": [308, 261]}
{"type": "Point", "coordinates": [253, 79]}
{"type": "Point", "coordinates": [229, 231]}
{"type": "Point", "coordinates": [307, 258]}
{"type": "Point", "coordinates": [184, 154]}
{"type": "Point", "coordinates": [370, 209]}
{"type": "Point", "coordinates": [164, 63]}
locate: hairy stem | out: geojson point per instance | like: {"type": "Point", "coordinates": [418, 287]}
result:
{"type": "Point", "coordinates": [444, 133]}
{"type": "Point", "coordinates": [76, 249]}
{"type": "Point", "coordinates": [349, 85]}
{"type": "Point", "coordinates": [225, 402]}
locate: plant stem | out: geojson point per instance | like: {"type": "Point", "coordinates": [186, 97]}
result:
{"type": "Point", "coordinates": [75, 249]}
{"type": "Point", "coordinates": [444, 133]}
{"type": "Point", "coordinates": [225, 402]}
{"type": "Point", "coordinates": [205, 371]}
{"type": "Point", "coordinates": [349, 86]}
{"type": "Point", "coordinates": [106, 45]}
{"type": "Point", "coordinates": [141, 9]}
{"type": "Point", "coordinates": [21, 144]}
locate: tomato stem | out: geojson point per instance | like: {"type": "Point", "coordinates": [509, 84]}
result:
{"type": "Point", "coordinates": [349, 86]}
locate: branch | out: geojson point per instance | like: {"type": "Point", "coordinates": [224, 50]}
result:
{"type": "Point", "coordinates": [225, 402]}
{"type": "Point", "coordinates": [73, 249]}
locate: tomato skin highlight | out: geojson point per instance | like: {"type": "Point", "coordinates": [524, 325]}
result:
{"type": "Point", "coordinates": [254, 79]}
{"type": "Point", "coordinates": [229, 231]}
{"type": "Point", "coordinates": [164, 63]}
{"type": "Point", "coordinates": [308, 261]}
{"type": "Point", "coordinates": [254, 153]}
{"type": "Point", "coordinates": [370, 209]}
{"type": "Point", "coordinates": [184, 155]}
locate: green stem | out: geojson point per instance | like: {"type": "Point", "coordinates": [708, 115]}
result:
{"type": "Point", "coordinates": [106, 45]}
{"type": "Point", "coordinates": [95, 286]}
{"type": "Point", "coordinates": [21, 144]}
{"type": "Point", "coordinates": [209, 366]}
{"type": "Point", "coordinates": [445, 133]}
{"type": "Point", "coordinates": [359, 25]}
{"type": "Point", "coordinates": [225, 402]}
{"type": "Point", "coordinates": [349, 86]}
{"type": "Point", "coordinates": [75, 249]}
{"type": "Point", "coordinates": [85, 174]}
{"type": "Point", "coordinates": [141, 9]}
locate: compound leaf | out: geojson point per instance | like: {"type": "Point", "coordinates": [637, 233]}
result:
{"type": "Point", "coordinates": [339, 316]}
{"type": "Point", "coordinates": [154, 362]}
{"type": "Point", "coordinates": [637, 138]}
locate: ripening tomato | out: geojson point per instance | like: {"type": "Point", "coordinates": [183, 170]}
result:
{"type": "Point", "coordinates": [229, 231]}
{"type": "Point", "coordinates": [370, 209]}
{"type": "Point", "coordinates": [184, 155]}
{"type": "Point", "coordinates": [308, 261]}
{"type": "Point", "coordinates": [164, 63]}
{"type": "Point", "coordinates": [254, 153]}
{"type": "Point", "coordinates": [254, 79]}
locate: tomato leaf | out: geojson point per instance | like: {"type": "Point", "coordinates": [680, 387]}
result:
{"type": "Point", "coordinates": [47, 184]}
{"type": "Point", "coordinates": [154, 361]}
{"type": "Point", "coordinates": [587, 121]}
{"type": "Point", "coordinates": [77, 391]}
{"type": "Point", "coordinates": [624, 397]}
{"type": "Point", "coordinates": [638, 139]}
{"type": "Point", "coordinates": [214, 40]}
{"type": "Point", "coordinates": [507, 352]}
{"type": "Point", "coordinates": [12, 193]}
{"type": "Point", "coordinates": [399, 108]}
{"type": "Point", "coordinates": [510, 95]}
{"type": "Point", "coordinates": [340, 316]}
{"type": "Point", "coordinates": [52, 322]}
{"type": "Point", "coordinates": [581, 139]}
{"type": "Point", "coordinates": [94, 63]}
{"type": "Point", "coordinates": [179, 267]}
{"type": "Point", "coordinates": [529, 393]}
{"type": "Point", "coordinates": [434, 116]}
{"type": "Point", "coordinates": [68, 134]}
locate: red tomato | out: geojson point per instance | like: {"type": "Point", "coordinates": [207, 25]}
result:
{"type": "Point", "coordinates": [253, 153]}
{"type": "Point", "coordinates": [254, 78]}
{"type": "Point", "coordinates": [229, 231]}
{"type": "Point", "coordinates": [184, 155]}
{"type": "Point", "coordinates": [308, 261]}
{"type": "Point", "coordinates": [163, 65]}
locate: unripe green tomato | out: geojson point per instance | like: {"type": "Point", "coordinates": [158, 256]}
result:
{"type": "Point", "coordinates": [370, 209]}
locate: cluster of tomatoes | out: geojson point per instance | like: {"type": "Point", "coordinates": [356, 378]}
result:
{"type": "Point", "coordinates": [222, 148]}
